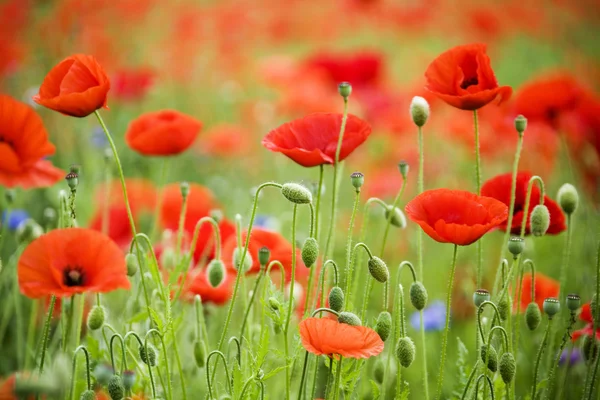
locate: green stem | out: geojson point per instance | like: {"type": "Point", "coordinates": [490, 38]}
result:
{"type": "Point", "coordinates": [563, 344]}
{"type": "Point", "coordinates": [471, 376]}
{"type": "Point", "coordinates": [31, 331]}
{"type": "Point", "coordinates": [290, 304]}
{"type": "Point", "coordinates": [336, 386]}
{"type": "Point", "coordinates": [165, 355]}
{"type": "Point", "coordinates": [256, 285]}
{"type": "Point", "coordinates": [208, 379]}
{"type": "Point", "coordinates": [74, 370]}
{"type": "Point", "coordinates": [159, 198]}
{"type": "Point", "coordinates": [538, 358]}
{"type": "Point", "coordinates": [349, 241]}
{"type": "Point", "coordinates": [447, 326]}
{"type": "Point", "coordinates": [317, 218]}
{"type": "Point", "coordinates": [180, 229]}
{"type": "Point", "coordinates": [301, 388]}
{"type": "Point", "coordinates": [566, 258]}
{"type": "Point", "coordinates": [46, 331]}
{"type": "Point", "coordinates": [593, 369]}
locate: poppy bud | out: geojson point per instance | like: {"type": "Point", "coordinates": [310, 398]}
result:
{"type": "Point", "coordinates": [540, 220]}
{"type": "Point", "coordinates": [336, 298]}
{"type": "Point", "coordinates": [507, 367]}
{"type": "Point", "coordinates": [418, 295]}
{"type": "Point", "coordinates": [533, 316]}
{"type": "Point", "coordinates": [516, 245]}
{"type": "Point", "coordinates": [310, 252]}
{"type": "Point", "coordinates": [103, 373]}
{"type": "Point", "coordinates": [296, 193]}
{"type": "Point", "coordinates": [10, 195]}
{"type": "Point", "coordinates": [551, 306]}
{"type": "Point", "coordinates": [215, 273]}
{"type": "Point", "coordinates": [128, 379]}
{"type": "Point", "coordinates": [184, 187]}
{"type": "Point", "coordinates": [398, 218]}
{"type": "Point", "coordinates": [492, 358]}
{"type": "Point", "coordinates": [573, 302]}
{"type": "Point", "coordinates": [419, 110]}
{"type": "Point", "coordinates": [403, 167]}
{"type": "Point", "coordinates": [378, 371]}
{"type": "Point", "coordinates": [274, 304]}
{"type": "Point", "coordinates": [357, 179]}
{"type": "Point", "coordinates": [28, 231]}
{"type": "Point", "coordinates": [132, 264]}
{"type": "Point", "coordinates": [200, 353]}
{"type": "Point", "coordinates": [260, 374]}
{"type": "Point", "coordinates": [115, 388]}
{"type": "Point", "coordinates": [405, 351]}
{"type": "Point", "coordinates": [72, 180]}
{"type": "Point", "coordinates": [589, 348]}
{"type": "Point", "coordinates": [264, 254]}
{"type": "Point", "coordinates": [345, 89]}
{"type": "Point", "coordinates": [504, 308]}
{"type": "Point", "coordinates": [520, 124]}
{"type": "Point", "coordinates": [568, 198]}
{"type": "Point", "coordinates": [237, 254]}
{"type": "Point", "coordinates": [379, 271]}
{"type": "Point", "coordinates": [49, 215]}
{"type": "Point", "coordinates": [148, 355]}
{"type": "Point", "coordinates": [384, 325]}
{"type": "Point", "coordinates": [346, 317]}
{"type": "Point", "coordinates": [216, 215]}
{"type": "Point", "coordinates": [168, 258]}
{"type": "Point", "coordinates": [95, 318]}
{"type": "Point", "coordinates": [88, 395]}
{"type": "Point", "coordinates": [480, 296]}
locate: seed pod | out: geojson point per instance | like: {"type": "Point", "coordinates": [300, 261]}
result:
{"type": "Point", "coordinates": [357, 179]}
{"type": "Point", "coordinates": [336, 298]}
{"type": "Point", "coordinates": [507, 367]}
{"type": "Point", "coordinates": [573, 302]}
{"type": "Point", "coordinates": [378, 371]}
{"type": "Point", "coordinates": [237, 255]}
{"type": "Point", "coordinates": [384, 325]}
{"type": "Point", "coordinates": [533, 316]}
{"type": "Point", "coordinates": [419, 110]}
{"type": "Point", "coordinates": [520, 124]}
{"type": "Point", "coordinates": [95, 318]}
{"type": "Point", "coordinates": [115, 387]}
{"type": "Point", "coordinates": [405, 351]}
{"type": "Point", "coordinates": [345, 89]}
{"type": "Point", "coordinates": [148, 355]}
{"type": "Point", "coordinates": [349, 318]}
{"type": "Point", "coordinates": [379, 271]}
{"type": "Point", "coordinates": [551, 306]}
{"type": "Point", "coordinates": [589, 348]}
{"type": "Point", "coordinates": [504, 308]}
{"type": "Point", "coordinates": [200, 353]}
{"type": "Point", "coordinates": [88, 395]}
{"type": "Point", "coordinates": [215, 273]}
{"type": "Point", "coordinates": [492, 358]}
{"type": "Point", "coordinates": [480, 296]}
{"type": "Point", "coordinates": [310, 252]}
{"type": "Point", "coordinates": [264, 254]}
{"type": "Point", "coordinates": [418, 295]}
{"type": "Point", "coordinates": [128, 379]}
{"type": "Point", "coordinates": [568, 198]}
{"type": "Point", "coordinates": [72, 180]}
{"type": "Point", "coordinates": [540, 220]}
{"type": "Point", "coordinates": [103, 372]}
{"type": "Point", "coordinates": [516, 245]}
{"type": "Point", "coordinates": [296, 193]}
{"type": "Point", "coordinates": [398, 218]}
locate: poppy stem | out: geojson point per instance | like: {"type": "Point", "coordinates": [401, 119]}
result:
{"type": "Point", "coordinates": [489, 382]}
{"type": "Point", "coordinates": [106, 205]}
{"type": "Point", "coordinates": [208, 379]}
{"type": "Point", "coordinates": [447, 327]}
{"type": "Point", "coordinates": [563, 344]}
{"type": "Point", "coordinates": [566, 258]}
{"type": "Point", "coordinates": [525, 220]}
{"type": "Point", "coordinates": [322, 279]}
{"type": "Point", "coordinates": [180, 226]}
{"type": "Point", "coordinates": [249, 307]}
{"type": "Point", "coordinates": [290, 304]}
{"type": "Point", "coordinates": [301, 388]}
{"type": "Point", "coordinates": [165, 355]}
{"type": "Point", "coordinates": [74, 368]}
{"type": "Point", "coordinates": [159, 198]}
{"type": "Point", "coordinates": [539, 357]}
{"type": "Point", "coordinates": [317, 218]}
{"type": "Point", "coordinates": [276, 263]}
{"type": "Point", "coordinates": [336, 386]}
{"type": "Point", "coordinates": [519, 295]}
{"type": "Point", "coordinates": [46, 332]}
{"type": "Point", "coordinates": [471, 376]}
{"type": "Point", "coordinates": [348, 272]}
{"type": "Point", "coordinates": [478, 186]}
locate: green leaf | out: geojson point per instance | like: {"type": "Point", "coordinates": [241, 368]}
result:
{"type": "Point", "coordinates": [375, 391]}
{"type": "Point", "coordinates": [462, 372]}
{"type": "Point", "coordinates": [156, 319]}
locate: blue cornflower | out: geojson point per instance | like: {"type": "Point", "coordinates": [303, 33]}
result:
{"type": "Point", "coordinates": [434, 317]}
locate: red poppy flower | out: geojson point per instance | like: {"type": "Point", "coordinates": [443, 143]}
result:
{"type": "Point", "coordinates": [68, 261]}
{"type": "Point", "coordinates": [312, 140]}
{"type": "Point", "coordinates": [463, 77]}
{"type": "Point", "coordinates": [162, 133]}
{"type": "Point", "coordinates": [324, 336]}
{"type": "Point", "coordinates": [360, 69]}
{"type": "Point", "coordinates": [132, 84]}
{"type": "Point", "coordinates": [588, 329]}
{"type": "Point", "coordinates": [499, 188]}
{"type": "Point", "coordinates": [455, 216]}
{"type": "Point", "coordinates": [544, 287]}
{"type": "Point", "coordinates": [77, 86]}
{"type": "Point", "coordinates": [198, 284]}
{"type": "Point", "coordinates": [23, 145]}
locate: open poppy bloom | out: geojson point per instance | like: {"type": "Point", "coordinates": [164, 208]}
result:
{"type": "Point", "coordinates": [23, 145]}
{"type": "Point", "coordinates": [312, 140]}
{"type": "Point", "coordinates": [545, 287]}
{"type": "Point", "coordinates": [588, 329]}
{"type": "Point", "coordinates": [162, 133]}
{"type": "Point", "coordinates": [499, 188]}
{"type": "Point", "coordinates": [324, 336]}
{"type": "Point", "coordinates": [463, 78]}
{"type": "Point", "coordinates": [77, 86]}
{"type": "Point", "coordinates": [456, 216]}
{"type": "Point", "coordinates": [65, 262]}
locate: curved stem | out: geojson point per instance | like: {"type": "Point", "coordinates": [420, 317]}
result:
{"type": "Point", "coordinates": [112, 354]}
{"type": "Point", "coordinates": [471, 376]}
{"type": "Point", "coordinates": [256, 285]}
{"type": "Point", "coordinates": [410, 266]}
{"type": "Point", "coordinates": [165, 355]}
{"type": "Point", "coordinates": [324, 309]}
{"type": "Point", "coordinates": [311, 274]}
{"type": "Point", "coordinates": [351, 270]}
{"type": "Point", "coordinates": [532, 180]}
{"type": "Point", "coordinates": [593, 369]}
{"type": "Point", "coordinates": [74, 368]}
{"type": "Point", "coordinates": [539, 357]}
{"type": "Point", "coordinates": [480, 311]}
{"type": "Point", "coordinates": [519, 295]}
{"type": "Point", "coordinates": [563, 344]}
{"type": "Point", "coordinates": [159, 197]}
{"type": "Point", "coordinates": [564, 267]}
{"type": "Point", "coordinates": [277, 264]}
{"type": "Point", "coordinates": [321, 288]}
{"type": "Point", "coordinates": [239, 349]}
{"type": "Point", "coordinates": [489, 382]}
{"type": "Point", "coordinates": [301, 388]}
{"type": "Point", "coordinates": [208, 380]}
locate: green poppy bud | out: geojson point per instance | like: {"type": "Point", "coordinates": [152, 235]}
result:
{"type": "Point", "coordinates": [551, 306]}
{"type": "Point", "coordinates": [357, 179]}
{"type": "Point", "coordinates": [573, 302]}
{"type": "Point", "coordinates": [10, 195]}
{"type": "Point", "coordinates": [264, 254]}
{"type": "Point", "coordinates": [533, 316]}
{"type": "Point", "coordinates": [88, 395]}
{"type": "Point", "coordinates": [540, 220]}
{"type": "Point", "coordinates": [568, 198]}
{"type": "Point", "coordinates": [378, 371]}
{"type": "Point", "coordinates": [336, 298]}
{"type": "Point", "coordinates": [310, 252]}
{"type": "Point", "coordinates": [419, 110]}
{"type": "Point", "coordinates": [384, 325]}
{"type": "Point", "coordinates": [520, 124]}
{"type": "Point", "coordinates": [504, 308]}
{"type": "Point", "coordinates": [516, 245]}
{"type": "Point", "coordinates": [128, 379]}
{"type": "Point", "coordinates": [49, 215]}
{"type": "Point", "coordinates": [403, 167]}
{"type": "Point", "coordinates": [379, 271]}
{"type": "Point", "coordinates": [507, 367]}
{"type": "Point", "coordinates": [215, 273]}
{"type": "Point", "coordinates": [345, 89]}
{"type": "Point", "coordinates": [132, 264]}
{"type": "Point", "coordinates": [116, 390]}
{"type": "Point", "coordinates": [398, 218]}
{"type": "Point", "coordinates": [200, 353]}
{"type": "Point", "coordinates": [349, 318]}
{"type": "Point", "coordinates": [492, 358]}
{"type": "Point", "coordinates": [405, 351]}
{"type": "Point", "coordinates": [418, 295]}
{"type": "Point", "coordinates": [148, 355]}
{"type": "Point", "coordinates": [95, 318]}
{"type": "Point", "coordinates": [480, 296]}
{"type": "Point", "coordinates": [589, 348]}
{"type": "Point", "coordinates": [237, 255]}
{"type": "Point", "coordinates": [72, 180]}
{"type": "Point", "coordinates": [296, 193]}
{"type": "Point", "coordinates": [216, 214]}
{"type": "Point", "coordinates": [274, 304]}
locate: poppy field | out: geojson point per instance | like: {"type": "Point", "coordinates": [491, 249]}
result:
{"type": "Point", "coordinates": [351, 199]}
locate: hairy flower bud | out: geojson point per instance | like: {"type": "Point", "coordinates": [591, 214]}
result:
{"type": "Point", "coordinates": [237, 255]}
{"type": "Point", "coordinates": [492, 357]}
{"type": "Point", "coordinates": [128, 379]}
{"type": "Point", "coordinates": [573, 302]}
{"type": "Point", "coordinates": [28, 231]}
{"type": "Point", "coordinates": [264, 254]}
{"type": "Point", "coordinates": [405, 351]}
{"type": "Point", "coordinates": [520, 124]}
{"type": "Point", "coordinates": [88, 395]}
{"type": "Point", "coordinates": [148, 355]}
{"type": "Point", "coordinates": [378, 270]}
{"type": "Point", "coordinates": [398, 219]}
{"type": "Point", "coordinates": [504, 308]}
{"type": "Point", "coordinates": [296, 193]}
{"type": "Point", "coordinates": [215, 273]}
{"type": "Point", "coordinates": [480, 296]}
{"type": "Point", "coordinates": [132, 264]}
{"type": "Point", "coordinates": [310, 252]}
{"type": "Point", "coordinates": [568, 198]}
{"type": "Point", "coordinates": [551, 306]}
{"type": "Point", "coordinates": [357, 179]}
{"type": "Point", "coordinates": [516, 245]}
{"type": "Point", "coordinates": [274, 304]}
{"type": "Point", "coordinates": [379, 371]}
{"type": "Point", "coordinates": [349, 318]}
{"type": "Point", "coordinates": [200, 353]}
{"type": "Point", "coordinates": [418, 295]}
{"type": "Point", "coordinates": [533, 316]}
{"type": "Point", "coordinates": [115, 387]}
{"type": "Point", "coordinates": [95, 318]}
{"type": "Point", "coordinates": [336, 298]}
{"type": "Point", "coordinates": [540, 220]}
{"type": "Point", "coordinates": [419, 110]}
{"type": "Point", "coordinates": [345, 89]}
{"type": "Point", "coordinates": [507, 367]}
{"type": "Point", "coordinates": [384, 325]}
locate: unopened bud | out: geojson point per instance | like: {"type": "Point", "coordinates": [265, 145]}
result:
{"type": "Point", "coordinates": [504, 308]}
{"type": "Point", "coordinates": [215, 273]}
{"type": "Point", "coordinates": [357, 179]}
{"type": "Point", "coordinates": [103, 372]}
{"type": "Point", "coordinates": [480, 296]}
{"type": "Point", "coordinates": [10, 195]}
{"type": "Point", "coordinates": [349, 318]}
{"type": "Point", "coordinates": [184, 187]}
{"type": "Point", "coordinates": [573, 302]}
{"type": "Point", "coordinates": [405, 351]}
{"type": "Point", "coordinates": [237, 255]}
{"type": "Point", "coordinates": [384, 325]}
{"type": "Point", "coordinates": [274, 304]}
{"type": "Point", "coordinates": [96, 318]}
{"type": "Point", "coordinates": [533, 316]}
{"type": "Point", "coordinates": [345, 89]}
{"type": "Point", "coordinates": [264, 254]}
{"type": "Point", "coordinates": [72, 180]}
{"type": "Point", "coordinates": [551, 306]}
{"type": "Point", "coordinates": [28, 231]}
{"type": "Point", "coordinates": [88, 395]}
{"type": "Point", "coordinates": [216, 215]}
{"type": "Point", "coordinates": [540, 220]}
{"type": "Point", "coordinates": [520, 124]}
{"type": "Point", "coordinates": [200, 353]}
{"type": "Point", "coordinates": [132, 264]}
{"type": "Point", "coordinates": [296, 193]}
{"type": "Point", "coordinates": [568, 198]}
{"type": "Point", "coordinates": [418, 295]}
{"type": "Point", "coordinates": [516, 245]}
{"type": "Point", "coordinates": [148, 355]}
{"type": "Point", "coordinates": [310, 252]}
{"type": "Point", "coordinates": [491, 357]}
{"type": "Point", "coordinates": [398, 219]}
{"type": "Point", "coordinates": [336, 298]}
{"type": "Point", "coordinates": [403, 167]}
{"type": "Point", "coordinates": [378, 270]}
{"type": "Point", "coordinates": [507, 367]}
{"type": "Point", "coordinates": [116, 390]}
{"type": "Point", "coordinates": [419, 110]}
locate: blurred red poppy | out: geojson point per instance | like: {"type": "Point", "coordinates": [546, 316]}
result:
{"type": "Point", "coordinates": [361, 68]}
{"type": "Point", "coordinates": [225, 140]}
{"type": "Point", "coordinates": [324, 336]}
{"type": "Point", "coordinates": [132, 84]}
{"type": "Point", "coordinates": [162, 133]}
{"type": "Point", "coordinates": [65, 262]}
{"type": "Point", "coordinates": [23, 145]}
{"type": "Point", "coordinates": [312, 140]}
{"type": "Point", "coordinates": [455, 216]}
{"type": "Point", "coordinates": [588, 329]}
{"type": "Point", "coordinates": [544, 287]}
{"type": "Point", "coordinates": [463, 78]}
{"type": "Point", "coordinates": [499, 188]}
{"type": "Point", "coordinates": [77, 86]}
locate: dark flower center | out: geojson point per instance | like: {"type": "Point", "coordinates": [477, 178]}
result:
{"type": "Point", "coordinates": [7, 141]}
{"type": "Point", "coordinates": [73, 276]}
{"type": "Point", "coordinates": [469, 82]}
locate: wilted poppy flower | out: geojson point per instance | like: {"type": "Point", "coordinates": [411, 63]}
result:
{"type": "Point", "coordinates": [312, 140]}
{"type": "Point", "coordinates": [198, 284]}
{"type": "Point", "coordinates": [499, 188]}
{"type": "Point", "coordinates": [65, 262]}
{"type": "Point", "coordinates": [588, 329]}
{"type": "Point", "coordinates": [324, 336]}
{"type": "Point", "coordinates": [544, 287]}
{"type": "Point", "coordinates": [77, 86]}
{"type": "Point", "coordinates": [162, 133]}
{"type": "Point", "coordinates": [23, 145]}
{"type": "Point", "coordinates": [463, 78]}
{"type": "Point", "coordinates": [455, 216]}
